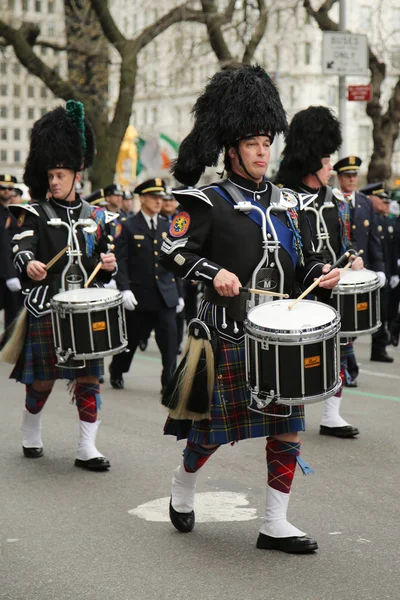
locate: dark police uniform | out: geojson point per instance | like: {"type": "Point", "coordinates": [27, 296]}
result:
{"type": "Point", "coordinates": [139, 269]}
{"type": "Point", "coordinates": [10, 301]}
{"type": "Point", "coordinates": [365, 231]}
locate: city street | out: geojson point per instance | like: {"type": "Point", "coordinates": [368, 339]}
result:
{"type": "Point", "coordinates": [70, 534]}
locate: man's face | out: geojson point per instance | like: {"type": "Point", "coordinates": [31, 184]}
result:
{"type": "Point", "coordinates": [348, 182]}
{"type": "Point", "coordinates": [379, 204]}
{"type": "Point", "coordinates": [169, 206]}
{"type": "Point", "coordinates": [5, 194]}
{"type": "Point", "coordinates": [386, 207]}
{"type": "Point", "coordinates": [255, 153]}
{"type": "Point", "coordinates": [62, 183]}
{"type": "Point", "coordinates": [16, 198]}
{"type": "Point", "coordinates": [114, 202]}
{"type": "Point", "coordinates": [127, 205]}
{"type": "Point", "coordinates": [324, 174]}
{"type": "Point", "coordinates": [151, 204]}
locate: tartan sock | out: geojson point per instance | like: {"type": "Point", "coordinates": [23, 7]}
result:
{"type": "Point", "coordinates": [34, 400]}
{"type": "Point", "coordinates": [194, 456]}
{"type": "Point", "coordinates": [87, 400]}
{"type": "Point", "coordinates": [281, 463]}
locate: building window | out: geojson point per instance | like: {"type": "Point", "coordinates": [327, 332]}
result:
{"type": "Point", "coordinates": [395, 58]}
{"type": "Point", "coordinates": [3, 112]}
{"type": "Point", "coordinates": [31, 91]}
{"type": "Point", "coordinates": [43, 111]}
{"type": "Point", "coordinates": [365, 18]}
{"type": "Point", "coordinates": [278, 20]}
{"type": "Point", "coordinates": [11, 4]}
{"type": "Point", "coordinates": [43, 92]}
{"type": "Point", "coordinates": [307, 19]}
{"type": "Point", "coordinates": [16, 69]}
{"type": "Point", "coordinates": [307, 53]}
{"type": "Point", "coordinates": [31, 113]}
{"type": "Point", "coordinates": [51, 7]}
{"type": "Point", "coordinates": [155, 115]}
{"type": "Point", "coordinates": [364, 140]}
{"type": "Point", "coordinates": [333, 95]}
{"type": "Point", "coordinates": [25, 5]}
{"type": "Point", "coordinates": [17, 135]}
{"type": "Point", "coordinates": [3, 90]}
{"type": "Point", "coordinates": [51, 29]}
{"type": "Point", "coordinates": [17, 90]}
{"type": "Point", "coordinates": [3, 156]}
{"type": "Point", "coordinates": [38, 5]}
{"type": "Point", "coordinates": [292, 94]}
{"type": "Point", "coordinates": [17, 156]}
{"type": "Point", "coordinates": [3, 133]}
{"type": "Point", "coordinates": [44, 50]}
{"type": "Point", "coordinates": [3, 68]}
{"type": "Point", "coordinates": [17, 112]}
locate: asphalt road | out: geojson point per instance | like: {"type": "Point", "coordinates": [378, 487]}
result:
{"type": "Point", "coordinates": [68, 534]}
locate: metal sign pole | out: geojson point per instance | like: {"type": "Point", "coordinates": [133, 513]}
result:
{"type": "Point", "coordinates": [342, 87]}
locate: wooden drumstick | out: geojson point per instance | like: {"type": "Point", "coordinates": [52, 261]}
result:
{"type": "Point", "coordinates": [265, 292]}
{"type": "Point", "coordinates": [96, 269]}
{"type": "Point", "coordinates": [318, 281]}
{"type": "Point", "coordinates": [56, 258]}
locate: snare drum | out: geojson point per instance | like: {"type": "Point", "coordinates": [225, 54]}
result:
{"type": "Point", "coordinates": [292, 355]}
{"type": "Point", "coordinates": [88, 324]}
{"type": "Point", "coordinates": [356, 298]}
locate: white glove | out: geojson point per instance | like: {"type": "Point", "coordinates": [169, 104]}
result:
{"type": "Point", "coordinates": [14, 284]}
{"type": "Point", "coordinates": [382, 278]}
{"type": "Point", "coordinates": [129, 299]}
{"type": "Point", "coordinates": [111, 285]}
{"type": "Point", "coordinates": [394, 281]}
{"type": "Point", "coordinates": [181, 305]}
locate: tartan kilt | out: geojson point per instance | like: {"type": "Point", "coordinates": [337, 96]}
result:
{"type": "Point", "coordinates": [37, 360]}
{"type": "Point", "coordinates": [231, 420]}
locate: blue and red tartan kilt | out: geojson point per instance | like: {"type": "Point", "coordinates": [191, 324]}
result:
{"type": "Point", "coordinates": [37, 360]}
{"type": "Point", "coordinates": [231, 420]}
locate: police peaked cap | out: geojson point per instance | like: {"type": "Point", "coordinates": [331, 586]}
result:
{"type": "Point", "coordinates": [155, 186]}
{"type": "Point", "coordinates": [350, 165]}
{"type": "Point", "coordinates": [7, 181]}
{"type": "Point", "coordinates": [63, 139]}
{"type": "Point", "coordinates": [375, 189]}
{"type": "Point", "coordinates": [96, 198]}
{"type": "Point", "coordinates": [313, 133]}
{"type": "Point", "coordinates": [114, 189]}
{"type": "Point", "coordinates": [237, 103]}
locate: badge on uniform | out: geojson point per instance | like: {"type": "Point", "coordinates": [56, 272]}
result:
{"type": "Point", "coordinates": [8, 222]}
{"type": "Point", "coordinates": [21, 219]}
{"type": "Point", "coordinates": [380, 227]}
{"type": "Point", "coordinates": [138, 237]}
{"type": "Point", "coordinates": [366, 223]}
{"type": "Point", "coordinates": [117, 230]}
{"type": "Point", "coordinates": [164, 235]}
{"type": "Point", "coordinates": [390, 229]}
{"type": "Point", "coordinates": [180, 225]}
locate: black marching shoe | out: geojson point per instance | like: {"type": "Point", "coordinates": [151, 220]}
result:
{"type": "Point", "coordinates": [381, 356]}
{"type": "Point", "coordinates": [100, 463]}
{"type": "Point", "coordinates": [183, 522]}
{"type": "Point", "coordinates": [292, 545]}
{"type": "Point", "coordinates": [143, 345]}
{"type": "Point", "coordinates": [116, 381]}
{"type": "Point", "coordinates": [351, 383]}
{"type": "Point", "coordinates": [347, 431]}
{"type": "Point", "coordinates": [32, 452]}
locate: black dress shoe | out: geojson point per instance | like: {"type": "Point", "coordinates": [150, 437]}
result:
{"type": "Point", "coordinates": [94, 464]}
{"type": "Point", "coordinates": [347, 431]}
{"type": "Point", "coordinates": [32, 452]}
{"type": "Point", "coordinates": [381, 357]}
{"type": "Point", "coordinates": [352, 383]}
{"type": "Point", "coordinates": [116, 381]}
{"type": "Point", "coordinates": [143, 345]}
{"type": "Point", "coordinates": [293, 545]}
{"type": "Point", "coordinates": [183, 522]}
{"type": "Point", "coordinates": [101, 379]}
{"type": "Point", "coordinates": [394, 339]}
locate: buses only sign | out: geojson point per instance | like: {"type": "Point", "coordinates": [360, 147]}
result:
{"type": "Point", "coordinates": [344, 53]}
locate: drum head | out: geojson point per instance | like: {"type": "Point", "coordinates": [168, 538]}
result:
{"type": "Point", "coordinates": [87, 296]}
{"type": "Point", "coordinates": [306, 317]}
{"type": "Point", "coordinates": [350, 277]}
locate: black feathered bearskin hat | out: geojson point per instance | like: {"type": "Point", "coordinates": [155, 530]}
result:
{"type": "Point", "coordinates": [313, 133]}
{"type": "Point", "coordinates": [62, 138]}
{"type": "Point", "coordinates": [238, 102]}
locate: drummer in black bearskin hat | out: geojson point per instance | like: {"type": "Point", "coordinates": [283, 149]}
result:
{"type": "Point", "coordinates": [62, 144]}
{"type": "Point", "coordinates": [239, 112]}
{"type": "Point", "coordinates": [314, 134]}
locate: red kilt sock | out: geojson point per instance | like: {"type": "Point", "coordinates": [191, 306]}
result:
{"type": "Point", "coordinates": [195, 456]}
{"type": "Point", "coordinates": [87, 400]}
{"type": "Point", "coordinates": [281, 463]}
{"type": "Point", "coordinates": [34, 400]}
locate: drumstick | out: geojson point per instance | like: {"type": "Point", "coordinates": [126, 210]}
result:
{"type": "Point", "coordinates": [96, 269]}
{"type": "Point", "coordinates": [318, 281]}
{"type": "Point", "coordinates": [55, 258]}
{"type": "Point", "coordinates": [265, 292]}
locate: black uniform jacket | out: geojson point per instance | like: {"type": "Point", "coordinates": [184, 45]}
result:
{"type": "Point", "coordinates": [8, 228]}
{"type": "Point", "coordinates": [36, 240]}
{"type": "Point", "coordinates": [210, 235]}
{"type": "Point", "coordinates": [138, 254]}
{"type": "Point", "coordinates": [386, 232]}
{"type": "Point", "coordinates": [364, 226]}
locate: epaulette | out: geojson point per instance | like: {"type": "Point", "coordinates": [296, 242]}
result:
{"type": "Point", "coordinates": [193, 193]}
{"type": "Point", "coordinates": [29, 207]}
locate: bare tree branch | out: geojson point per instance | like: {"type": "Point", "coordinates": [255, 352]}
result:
{"type": "Point", "coordinates": [215, 35]}
{"type": "Point", "coordinates": [111, 31]}
{"type": "Point", "coordinates": [321, 16]}
{"type": "Point", "coordinates": [258, 32]}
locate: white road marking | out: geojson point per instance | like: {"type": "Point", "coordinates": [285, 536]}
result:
{"type": "Point", "coordinates": [376, 374]}
{"type": "Point", "coordinates": [335, 533]}
{"type": "Point", "coordinates": [13, 540]}
{"type": "Point", "coordinates": [210, 507]}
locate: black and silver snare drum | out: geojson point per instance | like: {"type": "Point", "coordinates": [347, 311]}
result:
{"type": "Point", "coordinates": [88, 324]}
{"type": "Point", "coordinates": [292, 356]}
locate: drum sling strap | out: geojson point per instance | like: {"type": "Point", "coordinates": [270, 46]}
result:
{"type": "Point", "coordinates": [86, 210]}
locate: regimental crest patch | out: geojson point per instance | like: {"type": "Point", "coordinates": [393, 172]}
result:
{"type": "Point", "coordinates": [180, 225]}
{"type": "Point", "coordinates": [8, 222]}
{"type": "Point", "coordinates": [117, 230]}
{"type": "Point", "coordinates": [21, 218]}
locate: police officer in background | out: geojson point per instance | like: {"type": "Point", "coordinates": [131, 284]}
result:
{"type": "Point", "coordinates": [394, 293]}
{"type": "Point", "coordinates": [381, 201]}
{"type": "Point", "coordinates": [364, 231]}
{"type": "Point", "coordinates": [10, 286]}
{"type": "Point", "coordinates": [127, 204]}
{"type": "Point", "coordinates": [150, 292]}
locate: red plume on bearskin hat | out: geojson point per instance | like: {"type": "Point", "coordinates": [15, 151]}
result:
{"type": "Point", "coordinates": [313, 133]}
{"type": "Point", "coordinates": [236, 103]}
{"type": "Point", "coordinates": [61, 138]}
